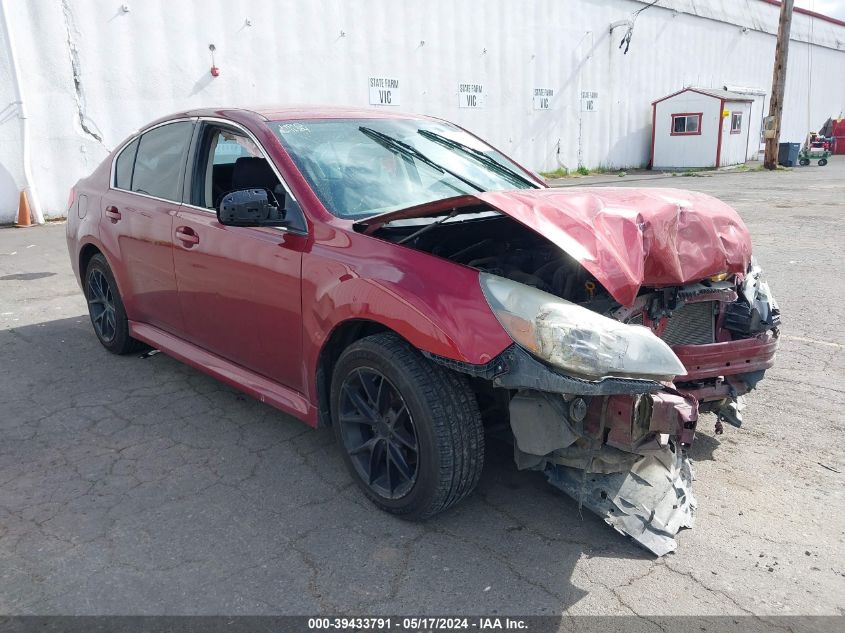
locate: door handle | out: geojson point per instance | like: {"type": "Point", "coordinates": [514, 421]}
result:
{"type": "Point", "coordinates": [112, 213]}
{"type": "Point", "coordinates": [187, 236]}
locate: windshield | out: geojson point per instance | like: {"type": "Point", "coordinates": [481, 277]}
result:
{"type": "Point", "coordinates": [364, 167]}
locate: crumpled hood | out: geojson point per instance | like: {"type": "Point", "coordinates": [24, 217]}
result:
{"type": "Point", "coordinates": [628, 238]}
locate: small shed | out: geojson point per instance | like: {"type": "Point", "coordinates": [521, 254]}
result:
{"type": "Point", "coordinates": [700, 127]}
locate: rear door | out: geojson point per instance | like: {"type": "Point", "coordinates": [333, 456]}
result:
{"type": "Point", "coordinates": [137, 222]}
{"type": "Point", "coordinates": [239, 287]}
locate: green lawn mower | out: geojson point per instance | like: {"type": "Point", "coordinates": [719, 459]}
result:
{"type": "Point", "coordinates": [815, 148]}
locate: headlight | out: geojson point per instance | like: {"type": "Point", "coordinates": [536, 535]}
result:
{"type": "Point", "coordinates": [575, 338]}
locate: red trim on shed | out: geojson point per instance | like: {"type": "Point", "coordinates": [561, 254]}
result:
{"type": "Point", "coordinates": [672, 131]}
{"type": "Point", "coordinates": [812, 14]}
{"type": "Point", "coordinates": [701, 92]}
{"type": "Point", "coordinates": [721, 129]}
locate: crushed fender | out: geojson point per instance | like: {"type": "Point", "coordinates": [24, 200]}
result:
{"type": "Point", "coordinates": [650, 502]}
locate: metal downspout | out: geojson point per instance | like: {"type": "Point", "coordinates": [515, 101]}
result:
{"type": "Point", "coordinates": [29, 188]}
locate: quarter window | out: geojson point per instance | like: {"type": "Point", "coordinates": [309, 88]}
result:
{"type": "Point", "coordinates": [160, 159]}
{"type": "Point", "coordinates": [686, 123]}
{"type": "Point", "coordinates": [123, 166]}
{"type": "Point", "coordinates": [736, 122]}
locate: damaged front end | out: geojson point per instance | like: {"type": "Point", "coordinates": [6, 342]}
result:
{"type": "Point", "coordinates": [632, 312]}
{"type": "Point", "coordinates": [615, 435]}
{"type": "Point", "coordinates": [623, 456]}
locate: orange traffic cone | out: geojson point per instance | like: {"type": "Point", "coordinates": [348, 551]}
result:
{"type": "Point", "coordinates": [24, 213]}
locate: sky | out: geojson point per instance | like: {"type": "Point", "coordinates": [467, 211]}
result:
{"type": "Point", "coordinates": [833, 8]}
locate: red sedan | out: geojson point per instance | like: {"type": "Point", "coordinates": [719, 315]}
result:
{"type": "Point", "coordinates": [401, 280]}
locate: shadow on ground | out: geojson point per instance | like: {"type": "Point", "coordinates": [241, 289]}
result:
{"type": "Point", "coordinates": [139, 485]}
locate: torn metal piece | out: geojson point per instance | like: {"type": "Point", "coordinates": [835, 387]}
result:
{"type": "Point", "coordinates": [650, 502]}
{"type": "Point", "coordinates": [731, 411]}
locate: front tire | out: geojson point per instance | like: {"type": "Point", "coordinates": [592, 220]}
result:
{"type": "Point", "coordinates": [409, 431]}
{"type": "Point", "coordinates": [105, 307]}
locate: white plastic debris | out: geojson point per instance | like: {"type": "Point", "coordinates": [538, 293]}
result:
{"type": "Point", "coordinates": [650, 502]}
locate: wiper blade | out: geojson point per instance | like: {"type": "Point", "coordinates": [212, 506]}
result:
{"type": "Point", "coordinates": [478, 155]}
{"type": "Point", "coordinates": [404, 149]}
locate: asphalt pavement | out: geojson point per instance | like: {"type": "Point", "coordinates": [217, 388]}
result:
{"type": "Point", "coordinates": [134, 485]}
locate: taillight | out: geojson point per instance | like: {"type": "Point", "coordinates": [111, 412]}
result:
{"type": "Point", "coordinates": [71, 198]}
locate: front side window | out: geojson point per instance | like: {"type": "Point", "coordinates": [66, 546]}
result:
{"type": "Point", "coordinates": [160, 159]}
{"type": "Point", "coordinates": [686, 123]}
{"type": "Point", "coordinates": [231, 161]}
{"type": "Point", "coordinates": [363, 167]}
{"type": "Point", "coordinates": [736, 122]}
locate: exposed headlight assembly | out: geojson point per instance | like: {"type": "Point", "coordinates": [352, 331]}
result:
{"type": "Point", "coordinates": [574, 338]}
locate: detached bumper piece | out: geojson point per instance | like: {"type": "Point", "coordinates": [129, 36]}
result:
{"type": "Point", "coordinates": [621, 456]}
{"type": "Point", "coordinates": [649, 503]}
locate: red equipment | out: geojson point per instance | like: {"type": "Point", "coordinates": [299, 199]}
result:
{"type": "Point", "coordinates": [834, 130]}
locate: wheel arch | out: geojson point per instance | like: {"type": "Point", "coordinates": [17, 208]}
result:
{"type": "Point", "coordinates": [86, 253]}
{"type": "Point", "coordinates": [342, 336]}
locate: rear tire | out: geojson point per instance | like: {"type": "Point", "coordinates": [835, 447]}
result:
{"type": "Point", "coordinates": [804, 162]}
{"type": "Point", "coordinates": [105, 307]}
{"type": "Point", "coordinates": [822, 162]}
{"type": "Point", "coordinates": [409, 430]}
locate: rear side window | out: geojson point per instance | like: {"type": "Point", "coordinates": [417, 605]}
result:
{"type": "Point", "coordinates": [160, 159]}
{"type": "Point", "coordinates": [123, 166]}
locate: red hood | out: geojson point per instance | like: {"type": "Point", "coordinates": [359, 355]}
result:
{"type": "Point", "coordinates": [625, 238]}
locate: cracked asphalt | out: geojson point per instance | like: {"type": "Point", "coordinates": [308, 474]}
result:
{"type": "Point", "coordinates": [140, 486]}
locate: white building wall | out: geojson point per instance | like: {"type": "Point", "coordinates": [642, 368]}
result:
{"type": "Point", "coordinates": [694, 150]}
{"type": "Point", "coordinates": [94, 73]}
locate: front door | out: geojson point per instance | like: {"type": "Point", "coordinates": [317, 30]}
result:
{"type": "Point", "coordinates": [239, 287]}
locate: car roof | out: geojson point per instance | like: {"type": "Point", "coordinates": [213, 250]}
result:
{"type": "Point", "coordinates": [291, 112]}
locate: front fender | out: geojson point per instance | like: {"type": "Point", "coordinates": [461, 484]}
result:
{"type": "Point", "coordinates": [434, 304]}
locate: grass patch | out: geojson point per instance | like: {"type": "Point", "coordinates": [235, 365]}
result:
{"type": "Point", "coordinates": [560, 172]}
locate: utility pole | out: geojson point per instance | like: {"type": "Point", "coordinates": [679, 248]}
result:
{"type": "Point", "coordinates": [770, 159]}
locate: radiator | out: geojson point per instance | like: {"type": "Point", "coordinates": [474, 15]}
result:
{"type": "Point", "coordinates": [691, 324]}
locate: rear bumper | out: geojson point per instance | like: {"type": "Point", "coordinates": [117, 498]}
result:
{"type": "Point", "coordinates": [728, 358]}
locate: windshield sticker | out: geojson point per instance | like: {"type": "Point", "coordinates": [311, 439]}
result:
{"type": "Point", "coordinates": [293, 128]}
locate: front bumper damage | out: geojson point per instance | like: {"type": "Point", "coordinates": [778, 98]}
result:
{"type": "Point", "coordinates": [625, 459]}
{"type": "Point", "coordinates": [619, 446]}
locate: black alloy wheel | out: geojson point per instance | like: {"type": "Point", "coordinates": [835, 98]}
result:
{"type": "Point", "coordinates": [378, 433]}
{"type": "Point", "coordinates": [101, 306]}
{"type": "Point", "coordinates": [105, 307]}
{"type": "Point", "coordinates": [408, 429]}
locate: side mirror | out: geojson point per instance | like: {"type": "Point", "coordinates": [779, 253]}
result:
{"type": "Point", "coordinates": [249, 207]}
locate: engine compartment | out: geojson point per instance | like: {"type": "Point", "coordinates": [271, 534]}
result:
{"type": "Point", "coordinates": [499, 245]}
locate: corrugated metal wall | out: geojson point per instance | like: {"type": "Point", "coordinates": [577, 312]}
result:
{"type": "Point", "coordinates": [92, 70]}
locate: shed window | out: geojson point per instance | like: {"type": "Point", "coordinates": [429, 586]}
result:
{"type": "Point", "coordinates": [736, 122]}
{"type": "Point", "coordinates": [686, 123]}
